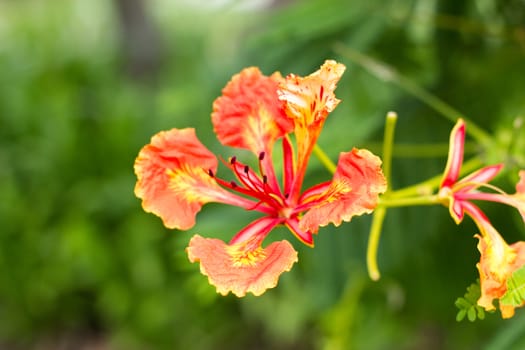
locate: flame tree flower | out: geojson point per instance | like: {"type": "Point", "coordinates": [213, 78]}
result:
{"type": "Point", "coordinates": [458, 194]}
{"type": "Point", "coordinates": [177, 175]}
{"type": "Point", "coordinates": [498, 260]}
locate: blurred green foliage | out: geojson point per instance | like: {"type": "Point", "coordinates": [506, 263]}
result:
{"type": "Point", "coordinates": [81, 261]}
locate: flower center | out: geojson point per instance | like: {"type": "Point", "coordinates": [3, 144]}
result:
{"type": "Point", "coordinates": [255, 185]}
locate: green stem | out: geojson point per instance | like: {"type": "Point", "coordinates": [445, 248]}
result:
{"type": "Point", "coordinates": [388, 145]}
{"type": "Point", "coordinates": [373, 242]}
{"type": "Point", "coordinates": [427, 187]}
{"type": "Point", "coordinates": [324, 159]}
{"type": "Point", "coordinates": [388, 202]}
{"type": "Point", "coordinates": [387, 73]}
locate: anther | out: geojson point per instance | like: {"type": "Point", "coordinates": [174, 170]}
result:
{"type": "Point", "coordinates": [246, 169]}
{"type": "Point", "coordinates": [265, 179]}
{"type": "Point", "coordinates": [233, 184]}
{"type": "Point", "coordinates": [233, 160]}
{"type": "Point", "coordinates": [210, 172]}
{"type": "Point", "coordinates": [261, 155]}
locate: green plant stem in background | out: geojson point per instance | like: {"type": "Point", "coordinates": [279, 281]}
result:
{"type": "Point", "coordinates": [428, 186]}
{"type": "Point", "coordinates": [324, 159]}
{"type": "Point", "coordinates": [373, 242]}
{"type": "Point", "coordinates": [388, 145]}
{"type": "Point", "coordinates": [380, 212]}
{"type": "Point", "coordinates": [389, 74]}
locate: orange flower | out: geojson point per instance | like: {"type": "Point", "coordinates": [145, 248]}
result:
{"type": "Point", "coordinates": [497, 263]}
{"type": "Point", "coordinates": [498, 260]}
{"type": "Point", "coordinates": [458, 194]}
{"type": "Point", "coordinates": [177, 175]}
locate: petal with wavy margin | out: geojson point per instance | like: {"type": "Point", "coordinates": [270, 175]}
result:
{"type": "Point", "coordinates": [354, 190]}
{"type": "Point", "coordinates": [173, 182]}
{"type": "Point", "coordinates": [497, 263]}
{"type": "Point", "coordinates": [248, 114]}
{"type": "Point", "coordinates": [308, 100]}
{"type": "Point", "coordinates": [241, 268]}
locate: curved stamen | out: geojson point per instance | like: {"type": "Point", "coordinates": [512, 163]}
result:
{"type": "Point", "coordinates": [252, 185]}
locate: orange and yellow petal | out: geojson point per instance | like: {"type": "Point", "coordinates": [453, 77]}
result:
{"type": "Point", "coordinates": [172, 177]}
{"type": "Point", "coordinates": [248, 114]}
{"type": "Point", "coordinates": [308, 100]}
{"type": "Point", "coordinates": [354, 190]}
{"type": "Point", "coordinates": [497, 263]}
{"type": "Point", "coordinates": [241, 268]}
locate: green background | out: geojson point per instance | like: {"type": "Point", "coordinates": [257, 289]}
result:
{"type": "Point", "coordinates": [85, 84]}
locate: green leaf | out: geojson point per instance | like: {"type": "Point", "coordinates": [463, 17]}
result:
{"type": "Point", "coordinates": [515, 294]}
{"type": "Point", "coordinates": [471, 313]}
{"type": "Point", "coordinates": [461, 315]}
{"type": "Point", "coordinates": [468, 304]}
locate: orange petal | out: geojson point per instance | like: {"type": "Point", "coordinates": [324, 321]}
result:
{"type": "Point", "coordinates": [497, 263]}
{"type": "Point", "coordinates": [173, 182]}
{"type": "Point", "coordinates": [308, 100]}
{"type": "Point", "coordinates": [248, 114]}
{"type": "Point", "coordinates": [354, 190]}
{"type": "Point", "coordinates": [241, 268]}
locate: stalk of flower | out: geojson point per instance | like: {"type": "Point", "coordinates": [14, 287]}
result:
{"type": "Point", "coordinates": [498, 260]}
{"type": "Point", "coordinates": [177, 175]}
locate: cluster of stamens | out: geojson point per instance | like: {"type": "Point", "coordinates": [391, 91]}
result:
{"type": "Point", "coordinates": [253, 185]}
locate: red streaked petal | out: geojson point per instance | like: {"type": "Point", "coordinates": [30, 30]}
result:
{"type": "Point", "coordinates": [479, 177]}
{"type": "Point", "coordinates": [248, 114]}
{"type": "Point", "coordinates": [304, 236]}
{"type": "Point", "coordinates": [355, 189]}
{"type": "Point", "coordinates": [308, 100]}
{"type": "Point", "coordinates": [288, 165]}
{"type": "Point", "coordinates": [456, 210]}
{"type": "Point", "coordinates": [241, 268]}
{"type": "Point", "coordinates": [258, 228]}
{"type": "Point", "coordinates": [455, 154]}
{"type": "Point", "coordinates": [172, 178]}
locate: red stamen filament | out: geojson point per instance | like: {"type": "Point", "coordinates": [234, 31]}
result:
{"type": "Point", "coordinates": [252, 185]}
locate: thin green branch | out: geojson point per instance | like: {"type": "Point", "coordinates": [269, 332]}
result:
{"type": "Point", "coordinates": [324, 159]}
{"type": "Point", "coordinates": [388, 145]}
{"type": "Point", "coordinates": [427, 187]}
{"type": "Point", "coordinates": [389, 202]}
{"type": "Point", "coordinates": [373, 242]}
